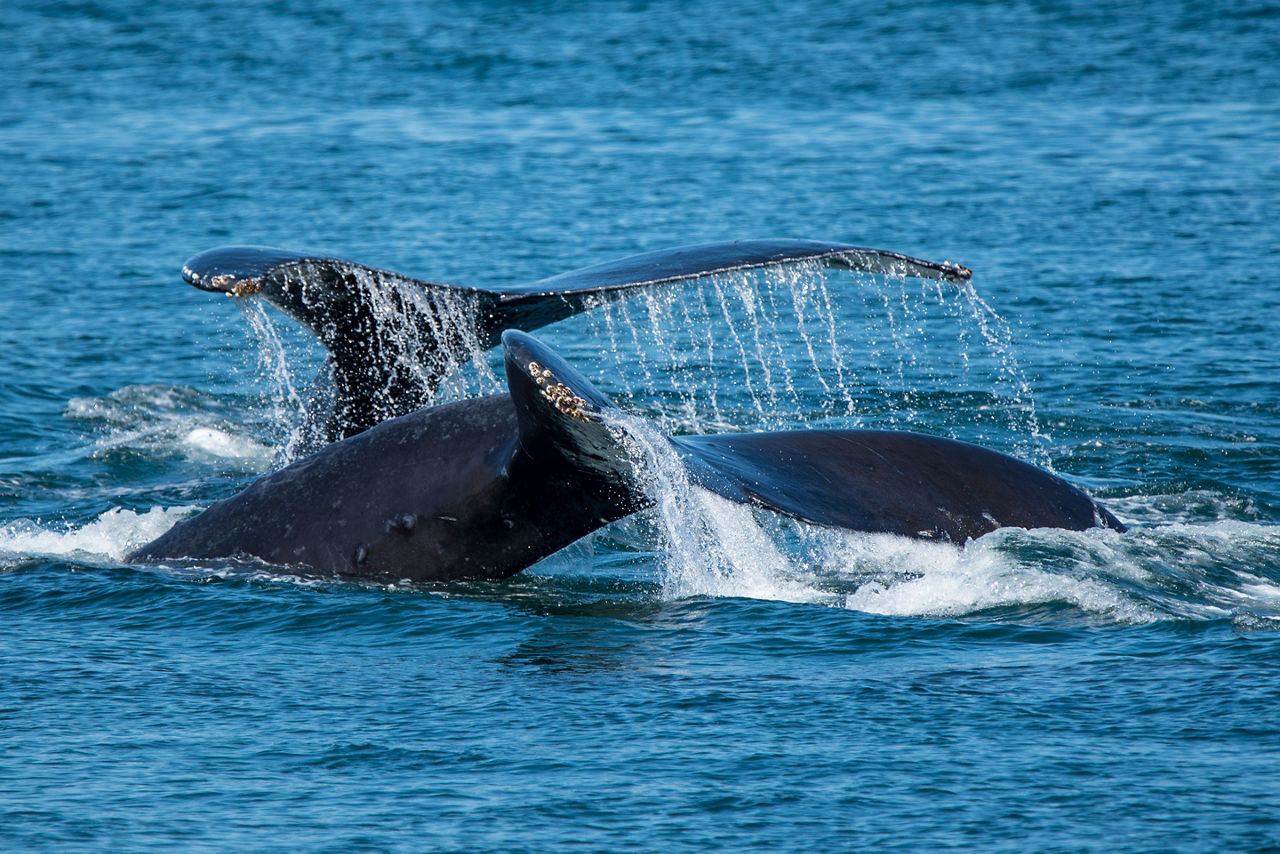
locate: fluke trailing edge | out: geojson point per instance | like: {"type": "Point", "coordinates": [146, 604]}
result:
{"type": "Point", "coordinates": [484, 488]}
{"type": "Point", "coordinates": [391, 338]}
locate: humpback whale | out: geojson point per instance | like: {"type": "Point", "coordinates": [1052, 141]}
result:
{"type": "Point", "coordinates": [483, 488]}
{"type": "Point", "coordinates": [392, 338]}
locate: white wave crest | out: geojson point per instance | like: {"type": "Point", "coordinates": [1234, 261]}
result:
{"type": "Point", "coordinates": [224, 445]}
{"type": "Point", "coordinates": [169, 420]}
{"type": "Point", "coordinates": [111, 536]}
{"type": "Point", "coordinates": [937, 580]}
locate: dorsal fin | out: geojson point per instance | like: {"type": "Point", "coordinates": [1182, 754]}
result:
{"type": "Point", "coordinates": [392, 338]}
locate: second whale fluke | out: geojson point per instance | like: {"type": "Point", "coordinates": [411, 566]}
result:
{"type": "Point", "coordinates": [392, 338]}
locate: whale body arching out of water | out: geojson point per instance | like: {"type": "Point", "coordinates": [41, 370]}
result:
{"type": "Point", "coordinates": [484, 488]}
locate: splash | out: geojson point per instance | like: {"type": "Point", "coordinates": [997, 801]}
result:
{"type": "Point", "coordinates": [801, 345]}
{"type": "Point", "coordinates": [896, 576]}
{"type": "Point", "coordinates": [110, 537]}
{"type": "Point", "coordinates": [1223, 570]}
{"type": "Point", "coordinates": [168, 421]}
{"type": "Point", "coordinates": [709, 546]}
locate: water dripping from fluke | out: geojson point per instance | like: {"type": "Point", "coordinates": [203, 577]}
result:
{"type": "Point", "coordinates": [768, 342]}
{"type": "Point", "coordinates": [804, 346]}
{"type": "Point", "coordinates": [794, 346]}
{"type": "Point", "coordinates": [708, 546]}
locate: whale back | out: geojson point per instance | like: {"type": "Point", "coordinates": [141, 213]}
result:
{"type": "Point", "coordinates": [478, 488]}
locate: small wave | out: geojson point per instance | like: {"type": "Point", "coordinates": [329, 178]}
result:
{"type": "Point", "coordinates": [1189, 506]}
{"type": "Point", "coordinates": [1007, 569]}
{"type": "Point", "coordinates": [220, 443]}
{"type": "Point", "coordinates": [110, 537]}
{"type": "Point", "coordinates": [1183, 572]}
{"type": "Point", "coordinates": [123, 405]}
{"type": "Point", "coordinates": [1223, 570]}
{"type": "Point", "coordinates": [169, 421]}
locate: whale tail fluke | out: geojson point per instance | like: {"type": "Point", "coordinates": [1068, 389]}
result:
{"type": "Point", "coordinates": [547, 300]}
{"type": "Point", "coordinates": [912, 485]}
{"type": "Point", "coordinates": [392, 339]}
{"type": "Point", "coordinates": [893, 482]}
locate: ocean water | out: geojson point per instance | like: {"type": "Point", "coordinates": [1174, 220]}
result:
{"type": "Point", "coordinates": [701, 676]}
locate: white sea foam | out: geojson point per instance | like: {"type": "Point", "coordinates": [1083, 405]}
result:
{"type": "Point", "coordinates": [708, 546]}
{"type": "Point", "coordinates": [110, 537]}
{"type": "Point", "coordinates": [223, 444]}
{"type": "Point", "coordinates": [932, 579]}
{"type": "Point", "coordinates": [168, 420]}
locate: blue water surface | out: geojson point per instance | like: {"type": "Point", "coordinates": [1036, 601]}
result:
{"type": "Point", "coordinates": [1111, 172]}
